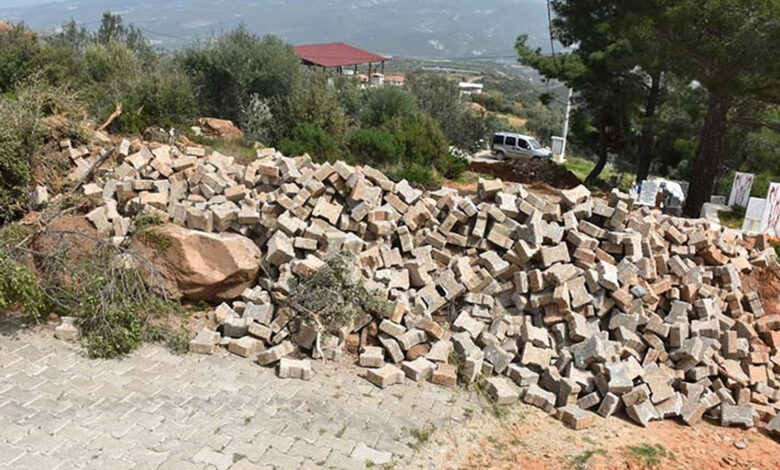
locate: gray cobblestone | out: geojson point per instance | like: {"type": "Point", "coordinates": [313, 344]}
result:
{"type": "Point", "coordinates": [154, 410]}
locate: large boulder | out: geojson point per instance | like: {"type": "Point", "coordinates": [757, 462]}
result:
{"type": "Point", "coordinates": [197, 265]}
{"type": "Point", "coordinates": [220, 128]}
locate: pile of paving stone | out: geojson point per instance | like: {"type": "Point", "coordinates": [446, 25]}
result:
{"type": "Point", "coordinates": [584, 307]}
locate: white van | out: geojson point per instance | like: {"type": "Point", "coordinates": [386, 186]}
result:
{"type": "Point", "coordinates": [508, 145]}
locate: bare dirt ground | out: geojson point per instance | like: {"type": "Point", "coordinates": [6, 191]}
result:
{"type": "Point", "coordinates": [527, 171]}
{"type": "Point", "coordinates": [527, 438]}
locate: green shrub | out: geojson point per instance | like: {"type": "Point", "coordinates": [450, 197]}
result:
{"type": "Point", "coordinates": [115, 310]}
{"type": "Point", "coordinates": [311, 139]}
{"type": "Point", "coordinates": [415, 173]}
{"type": "Point", "coordinates": [19, 56]}
{"type": "Point", "coordinates": [226, 71]}
{"type": "Point", "coordinates": [21, 133]}
{"type": "Point", "coordinates": [19, 289]}
{"type": "Point", "coordinates": [385, 104]}
{"type": "Point", "coordinates": [151, 92]}
{"type": "Point", "coordinates": [374, 147]}
{"type": "Point", "coordinates": [439, 97]}
{"type": "Point", "coordinates": [311, 100]}
{"type": "Point", "coordinates": [14, 174]}
{"type": "Point", "coordinates": [452, 166]}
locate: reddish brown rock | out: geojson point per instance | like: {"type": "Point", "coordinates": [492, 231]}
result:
{"type": "Point", "coordinates": [201, 266]}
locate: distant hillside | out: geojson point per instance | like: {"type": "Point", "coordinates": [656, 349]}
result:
{"type": "Point", "coordinates": [416, 28]}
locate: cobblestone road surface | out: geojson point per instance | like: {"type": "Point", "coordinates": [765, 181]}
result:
{"type": "Point", "coordinates": [154, 410]}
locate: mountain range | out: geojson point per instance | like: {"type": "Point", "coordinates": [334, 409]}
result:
{"type": "Point", "coordinates": [429, 29]}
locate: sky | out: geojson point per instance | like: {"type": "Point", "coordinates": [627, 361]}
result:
{"type": "Point", "coordinates": [24, 3]}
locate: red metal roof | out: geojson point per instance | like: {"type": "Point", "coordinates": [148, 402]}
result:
{"type": "Point", "coordinates": [335, 54]}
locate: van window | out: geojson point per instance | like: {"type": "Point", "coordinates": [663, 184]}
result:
{"type": "Point", "coordinates": [522, 143]}
{"type": "Point", "coordinates": [498, 139]}
{"type": "Point", "coordinates": [510, 141]}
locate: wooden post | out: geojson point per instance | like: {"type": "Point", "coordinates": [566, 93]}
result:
{"type": "Point", "coordinates": [383, 67]}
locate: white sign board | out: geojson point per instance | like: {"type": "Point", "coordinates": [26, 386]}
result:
{"type": "Point", "coordinates": [754, 214]}
{"type": "Point", "coordinates": [770, 221]}
{"type": "Point", "coordinates": [647, 195]}
{"type": "Point", "coordinates": [740, 190]}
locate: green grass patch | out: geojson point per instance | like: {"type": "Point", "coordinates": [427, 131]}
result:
{"type": "Point", "coordinates": [155, 240]}
{"type": "Point", "coordinates": [580, 461]}
{"type": "Point", "coordinates": [422, 435]}
{"type": "Point", "coordinates": [732, 219]}
{"type": "Point", "coordinates": [649, 455]}
{"type": "Point", "coordinates": [581, 167]}
{"type": "Point", "coordinates": [468, 177]}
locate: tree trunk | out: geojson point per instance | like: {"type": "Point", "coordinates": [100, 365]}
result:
{"type": "Point", "coordinates": [603, 153]}
{"type": "Point", "coordinates": [711, 148]}
{"type": "Point", "coordinates": [647, 139]}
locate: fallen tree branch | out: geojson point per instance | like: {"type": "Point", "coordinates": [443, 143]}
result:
{"type": "Point", "coordinates": [117, 112]}
{"type": "Point", "coordinates": [104, 154]}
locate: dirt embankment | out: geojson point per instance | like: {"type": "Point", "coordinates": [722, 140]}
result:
{"type": "Point", "coordinates": [529, 439]}
{"type": "Point", "coordinates": [528, 171]}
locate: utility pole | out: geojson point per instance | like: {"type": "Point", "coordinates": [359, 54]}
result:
{"type": "Point", "coordinates": [566, 125]}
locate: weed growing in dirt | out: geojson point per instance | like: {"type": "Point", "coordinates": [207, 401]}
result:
{"type": "Point", "coordinates": [580, 461]}
{"type": "Point", "coordinates": [155, 240]}
{"type": "Point", "coordinates": [478, 386]}
{"type": "Point", "coordinates": [145, 220]}
{"type": "Point", "coordinates": [649, 455]}
{"type": "Point", "coordinates": [422, 435]}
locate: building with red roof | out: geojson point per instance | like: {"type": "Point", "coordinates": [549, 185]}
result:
{"type": "Point", "coordinates": [338, 55]}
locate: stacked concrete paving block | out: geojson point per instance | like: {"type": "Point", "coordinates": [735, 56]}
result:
{"type": "Point", "coordinates": [584, 308]}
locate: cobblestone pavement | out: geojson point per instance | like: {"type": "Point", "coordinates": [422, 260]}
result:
{"type": "Point", "coordinates": [155, 410]}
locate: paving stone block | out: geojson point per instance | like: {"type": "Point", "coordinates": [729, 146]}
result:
{"type": "Point", "coordinates": [385, 376]}
{"type": "Point", "coordinates": [294, 369]}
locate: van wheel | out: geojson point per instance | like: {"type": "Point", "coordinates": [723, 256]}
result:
{"type": "Point", "coordinates": [500, 156]}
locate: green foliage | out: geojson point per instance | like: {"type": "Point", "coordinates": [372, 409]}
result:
{"type": "Point", "coordinates": [312, 139]}
{"type": "Point", "coordinates": [14, 174]}
{"type": "Point", "coordinates": [649, 455]}
{"type": "Point", "coordinates": [113, 307]}
{"type": "Point", "coordinates": [19, 289]}
{"type": "Point", "coordinates": [386, 104]}
{"type": "Point", "coordinates": [151, 93]}
{"type": "Point", "coordinates": [257, 118]}
{"type": "Point", "coordinates": [415, 173]}
{"type": "Point", "coordinates": [21, 134]}
{"type": "Point", "coordinates": [154, 240]}
{"type": "Point", "coordinates": [421, 436]}
{"type": "Point", "coordinates": [105, 290]}
{"type": "Point", "coordinates": [580, 461]}
{"type": "Point", "coordinates": [543, 121]}
{"type": "Point", "coordinates": [440, 98]}
{"type": "Point", "coordinates": [375, 147]}
{"type": "Point", "coordinates": [226, 71]}
{"type": "Point", "coordinates": [420, 137]}
{"type": "Point", "coordinates": [495, 101]}
{"type": "Point", "coordinates": [336, 296]}
{"type": "Point", "coordinates": [311, 100]}
{"type": "Point", "coordinates": [732, 219]}
{"type": "Point", "coordinates": [19, 56]}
